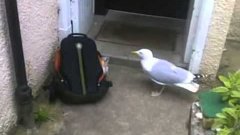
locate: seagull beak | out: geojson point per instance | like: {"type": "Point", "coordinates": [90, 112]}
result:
{"type": "Point", "coordinates": [134, 52]}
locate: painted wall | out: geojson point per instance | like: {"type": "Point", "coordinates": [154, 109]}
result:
{"type": "Point", "coordinates": [234, 31]}
{"type": "Point", "coordinates": [218, 30]}
{"type": "Point", "coordinates": [7, 115]}
{"type": "Point", "coordinates": [38, 21]}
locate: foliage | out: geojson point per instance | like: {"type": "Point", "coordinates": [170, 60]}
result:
{"type": "Point", "coordinates": [41, 114]}
{"type": "Point", "coordinates": [230, 90]}
{"type": "Point", "coordinates": [228, 121]}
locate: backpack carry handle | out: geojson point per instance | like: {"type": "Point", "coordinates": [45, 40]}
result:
{"type": "Point", "coordinates": [77, 35]}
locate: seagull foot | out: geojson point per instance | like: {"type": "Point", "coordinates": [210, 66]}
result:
{"type": "Point", "coordinates": [157, 92]}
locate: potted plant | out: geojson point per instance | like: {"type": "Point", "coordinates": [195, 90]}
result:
{"type": "Point", "coordinates": [227, 122]}
{"type": "Point", "coordinates": [230, 90]}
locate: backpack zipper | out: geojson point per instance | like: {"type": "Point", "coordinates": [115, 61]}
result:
{"type": "Point", "coordinates": [80, 60]}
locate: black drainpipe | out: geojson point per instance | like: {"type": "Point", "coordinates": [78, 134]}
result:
{"type": "Point", "coordinates": [23, 92]}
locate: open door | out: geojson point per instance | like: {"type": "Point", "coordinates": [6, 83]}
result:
{"type": "Point", "coordinates": [198, 22]}
{"type": "Point", "coordinates": [167, 8]}
{"type": "Point", "coordinates": [191, 27]}
{"type": "Point", "coordinates": [82, 14]}
{"type": "Point", "coordinates": [64, 19]}
{"type": "Point", "coordinates": [75, 16]}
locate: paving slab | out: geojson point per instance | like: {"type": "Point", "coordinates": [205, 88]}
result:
{"type": "Point", "coordinates": [128, 109]}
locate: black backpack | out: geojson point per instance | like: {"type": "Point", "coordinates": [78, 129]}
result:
{"type": "Point", "coordinates": [79, 76]}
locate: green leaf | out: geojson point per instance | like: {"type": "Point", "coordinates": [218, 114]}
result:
{"type": "Point", "coordinates": [228, 121]}
{"type": "Point", "coordinates": [231, 112]}
{"type": "Point", "coordinates": [238, 81]}
{"type": "Point", "coordinates": [224, 131]}
{"type": "Point", "coordinates": [237, 132]}
{"type": "Point", "coordinates": [225, 97]}
{"type": "Point", "coordinates": [237, 74]}
{"type": "Point", "coordinates": [220, 115]}
{"type": "Point", "coordinates": [230, 76]}
{"type": "Point", "coordinates": [41, 115]}
{"type": "Point", "coordinates": [232, 102]}
{"type": "Point", "coordinates": [235, 94]}
{"type": "Point", "coordinates": [218, 123]}
{"type": "Point", "coordinates": [225, 81]}
{"type": "Point", "coordinates": [220, 89]}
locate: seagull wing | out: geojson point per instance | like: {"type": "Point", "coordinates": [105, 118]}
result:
{"type": "Point", "coordinates": [167, 73]}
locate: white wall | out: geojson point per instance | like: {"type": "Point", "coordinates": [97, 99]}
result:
{"type": "Point", "coordinates": [217, 35]}
{"type": "Point", "coordinates": [234, 30]}
{"type": "Point", "coordinates": [38, 21]}
{"type": "Point", "coordinates": [39, 24]}
{"type": "Point", "coordinates": [8, 113]}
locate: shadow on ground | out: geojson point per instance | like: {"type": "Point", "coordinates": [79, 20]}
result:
{"type": "Point", "coordinates": [230, 60]}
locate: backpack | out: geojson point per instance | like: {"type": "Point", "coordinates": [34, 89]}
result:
{"type": "Point", "coordinates": [79, 76]}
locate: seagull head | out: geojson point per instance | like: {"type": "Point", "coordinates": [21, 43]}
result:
{"type": "Point", "coordinates": [144, 53]}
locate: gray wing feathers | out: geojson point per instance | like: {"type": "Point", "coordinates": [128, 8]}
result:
{"type": "Point", "coordinates": [165, 72]}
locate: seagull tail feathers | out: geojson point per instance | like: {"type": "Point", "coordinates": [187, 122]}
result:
{"type": "Point", "coordinates": [193, 87]}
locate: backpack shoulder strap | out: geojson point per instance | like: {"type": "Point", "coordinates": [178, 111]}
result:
{"type": "Point", "coordinates": [57, 60]}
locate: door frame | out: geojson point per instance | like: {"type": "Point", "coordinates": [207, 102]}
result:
{"type": "Point", "coordinates": [198, 27]}
{"type": "Point", "coordinates": [75, 16]}
{"type": "Point", "coordinates": [196, 30]}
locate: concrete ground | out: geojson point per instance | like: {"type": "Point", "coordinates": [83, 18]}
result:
{"type": "Point", "coordinates": [128, 109]}
{"type": "Point", "coordinates": [119, 33]}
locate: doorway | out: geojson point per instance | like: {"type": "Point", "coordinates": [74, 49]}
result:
{"type": "Point", "coordinates": [176, 32]}
{"type": "Point", "coordinates": [167, 8]}
{"type": "Point", "coordinates": [125, 26]}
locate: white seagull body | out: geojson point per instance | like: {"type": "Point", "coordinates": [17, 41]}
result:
{"type": "Point", "coordinates": [165, 73]}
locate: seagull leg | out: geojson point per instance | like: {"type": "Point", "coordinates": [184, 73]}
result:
{"type": "Point", "coordinates": [163, 88]}
{"type": "Point", "coordinates": [158, 92]}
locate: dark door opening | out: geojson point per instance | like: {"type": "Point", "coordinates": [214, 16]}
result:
{"type": "Point", "coordinates": [159, 25]}
{"type": "Point", "coordinates": [166, 8]}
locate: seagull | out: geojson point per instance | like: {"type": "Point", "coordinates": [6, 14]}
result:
{"type": "Point", "coordinates": [165, 73]}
